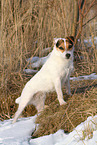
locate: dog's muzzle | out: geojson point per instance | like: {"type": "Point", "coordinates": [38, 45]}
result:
{"type": "Point", "coordinates": [68, 55]}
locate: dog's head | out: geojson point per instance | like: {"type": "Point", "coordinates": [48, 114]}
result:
{"type": "Point", "coordinates": [65, 46]}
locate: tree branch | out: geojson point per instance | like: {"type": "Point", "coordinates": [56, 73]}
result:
{"type": "Point", "coordinates": [89, 20]}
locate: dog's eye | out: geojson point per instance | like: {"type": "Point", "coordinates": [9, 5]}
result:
{"type": "Point", "coordinates": [61, 48]}
{"type": "Point", "coordinates": [70, 46]}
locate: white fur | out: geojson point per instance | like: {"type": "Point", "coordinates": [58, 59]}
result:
{"type": "Point", "coordinates": [51, 76]}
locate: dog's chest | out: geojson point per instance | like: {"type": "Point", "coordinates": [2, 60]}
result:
{"type": "Point", "coordinates": [59, 65]}
{"type": "Point", "coordinates": [66, 70]}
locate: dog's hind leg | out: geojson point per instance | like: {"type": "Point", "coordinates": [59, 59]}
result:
{"type": "Point", "coordinates": [39, 101]}
{"type": "Point", "coordinates": [22, 104]}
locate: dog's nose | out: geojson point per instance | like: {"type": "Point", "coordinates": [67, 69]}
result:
{"type": "Point", "coordinates": [68, 55]}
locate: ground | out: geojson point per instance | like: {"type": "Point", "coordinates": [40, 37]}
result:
{"type": "Point", "coordinates": [82, 104]}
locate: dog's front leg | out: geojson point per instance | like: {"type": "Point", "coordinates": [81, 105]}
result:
{"type": "Point", "coordinates": [67, 83]}
{"type": "Point", "coordinates": [59, 91]}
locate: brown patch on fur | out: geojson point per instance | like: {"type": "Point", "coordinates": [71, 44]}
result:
{"type": "Point", "coordinates": [59, 44]}
{"type": "Point", "coordinates": [69, 42]}
{"type": "Point", "coordinates": [67, 46]}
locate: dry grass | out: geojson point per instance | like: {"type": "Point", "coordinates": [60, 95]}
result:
{"type": "Point", "coordinates": [82, 104]}
{"type": "Point", "coordinates": [26, 29]}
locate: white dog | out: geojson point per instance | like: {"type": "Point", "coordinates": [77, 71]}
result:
{"type": "Point", "coordinates": [54, 73]}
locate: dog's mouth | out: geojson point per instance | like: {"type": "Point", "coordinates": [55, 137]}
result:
{"type": "Point", "coordinates": [66, 55]}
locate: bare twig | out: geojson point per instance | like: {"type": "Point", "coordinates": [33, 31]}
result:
{"type": "Point", "coordinates": [90, 20]}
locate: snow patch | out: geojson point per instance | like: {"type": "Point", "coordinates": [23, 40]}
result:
{"type": "Point", "coordinates": [20, 133]}
{"type": "Point", "coordinates": [92, 76]}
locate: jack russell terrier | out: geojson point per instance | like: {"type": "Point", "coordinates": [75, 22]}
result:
{"type": "Point", "coordinates": [53, 74]}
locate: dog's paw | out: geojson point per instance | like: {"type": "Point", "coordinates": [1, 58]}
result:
{"type": "Point", "coordinates": [62, 102]}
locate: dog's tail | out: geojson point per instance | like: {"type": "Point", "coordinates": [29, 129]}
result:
{"type": "Point", "coordinates": [17, 101]}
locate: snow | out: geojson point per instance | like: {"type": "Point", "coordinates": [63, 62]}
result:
{"type": "Point", "coordinates": [20, 133]}
{"type": "Point", "coordinates": [73, 138]}
{"type": "Point", "coordinates": [90, 41]}
{"type": "Point", "coordinates": [92, 76]}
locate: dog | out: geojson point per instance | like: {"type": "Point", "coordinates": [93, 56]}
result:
{"type": "Point", "coordinates": [51, 77]}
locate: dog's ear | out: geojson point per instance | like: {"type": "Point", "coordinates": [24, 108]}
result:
{"type": "Point", "coordinates": [58, 41]}
{"type": "Point", "coordinates": [70, 41]}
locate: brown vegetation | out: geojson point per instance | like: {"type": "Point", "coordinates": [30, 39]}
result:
{"type": "Point", "coordinates": [27, 27]}
{"type": "Point", "coordinates": [81, 105]}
